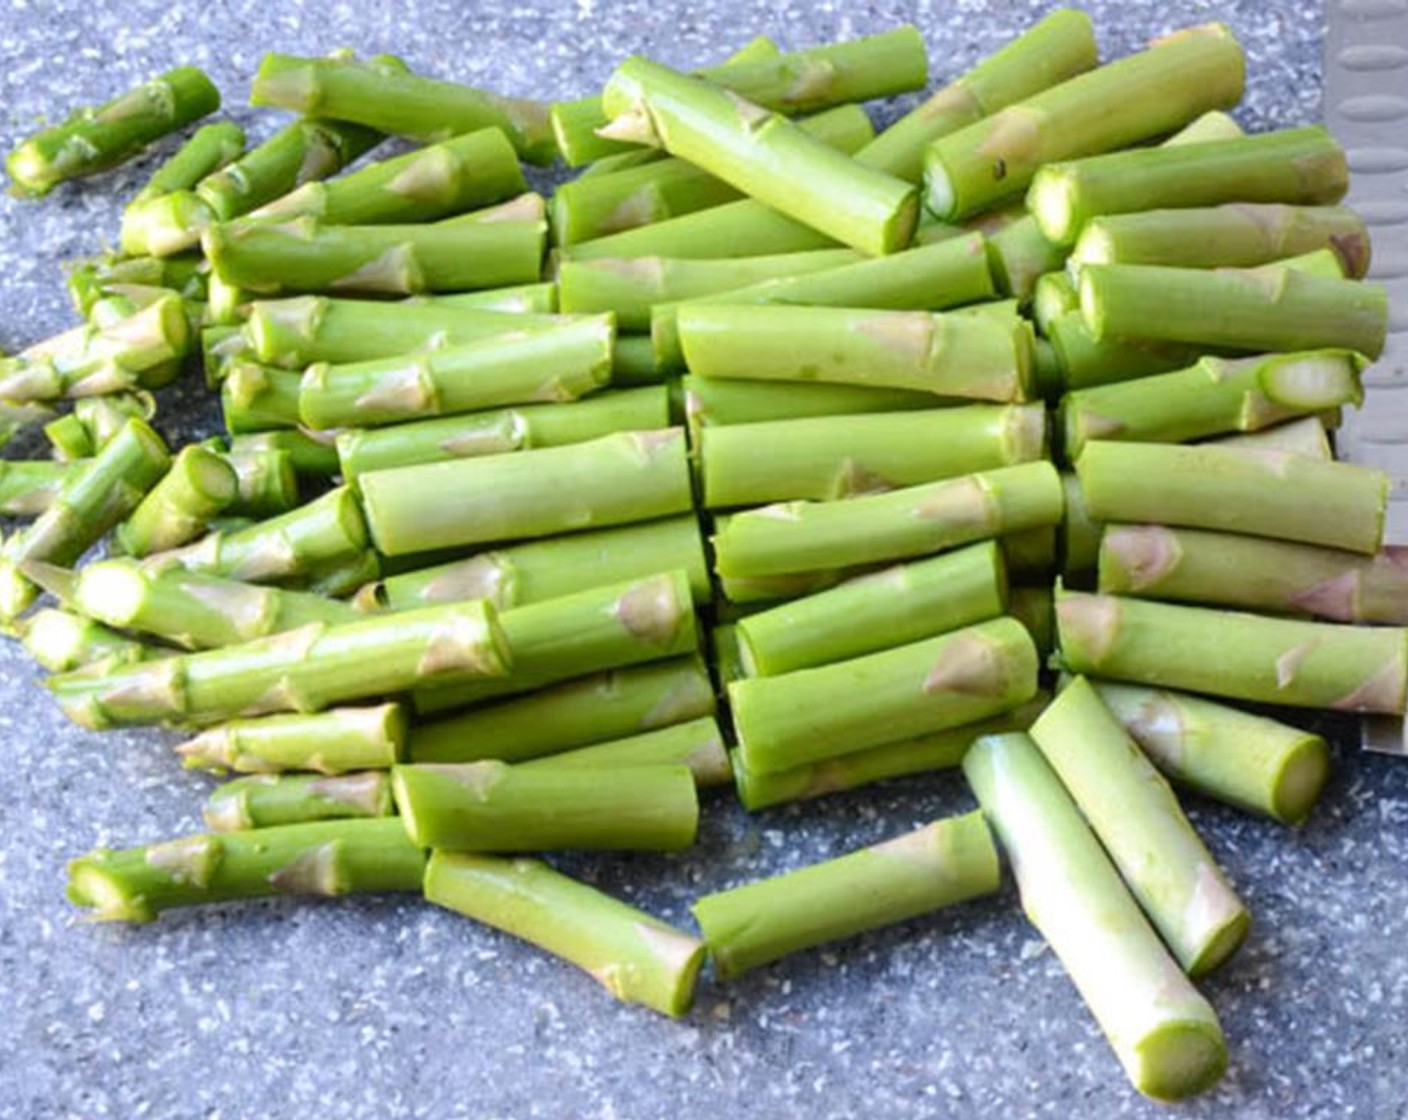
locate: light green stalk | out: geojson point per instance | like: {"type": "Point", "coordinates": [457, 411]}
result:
{"type": "Point", "coordinates": [271, 800]}
{"type": "Point", "coordinates": [339, 741]}
{"type": "Point", "coordinates": [715, 401]}
{"type": "Point", "coordinates": [61, 641]}
{"type": "Point", "coordinates": [697, 744]}
{"type": "Point", "coordinates": [199, 486]}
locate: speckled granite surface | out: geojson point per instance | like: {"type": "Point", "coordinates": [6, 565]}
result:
{"type": "Point", "coordinates": [390, 1009]}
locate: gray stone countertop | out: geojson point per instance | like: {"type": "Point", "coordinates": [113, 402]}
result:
{"type": "Point", "coordinates": [389, 1008]}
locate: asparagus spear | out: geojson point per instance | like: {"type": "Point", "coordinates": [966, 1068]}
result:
{"type": "Point", "coordinates": [399, 102]}
{"type": "Point", "coordinates": [745, 228]}
{"type": "Point", "coordinates": [1297, 437]}
{"type": "Point", "coordinates": [339, 741]}
{"type": "Point", "coordinates": [1162, 1031]}
{"type": "Point", "coordinates": [1053, 295]}
{"type": "Point", "coordinates": [271, 800]}
{"type": "Point", "coordinates": [1078, 537]}
{"type": "Point", "coordinates": [95, 420]}
{"type": "Point", "coordinates": [615, 480]}
{"type": "Point", "coordinates": [310, 453]}
{"type": "Point", "coordinates": [637, 958]}
{"type": "Point", "coordinates": [1138, 821]}
{"type": "Point", "coordinates": [1156, 91]}
{"type": "Point", "coordinates": [266, 482]}
{"type": "Point", "coordinates": [343, 578]}
{"type": "Point", "coordinates": [495, 431]}
{"type": "Point", "coordinates": [809, 536]}
{"type": "Point", "coordinates": [209, 149]}
{"type": "Point", "coordinates": [1215, 396]}
{"type": "Point", "coordinates": [932, 685]}
{"type": "Point", "coordinates": [29, 486]}
{"type": "Point", "coordinates": [330, 858]}
{"type": "Point", "coordinates": [1286, 497]}
{"type": "Point", "coordinates": [1232, 654]}
{"type": "Point", "coordinates": [495, 807]}
{"type": "Point", "coordinates": [255, 398]}
{"type": "Point", "coordinates": [1020, 254]}
{"type": "Point", "coordinates": [697, 744]}
{"type": "Point", "coordinates": [60, 641]}
{"type": "Point", "coordinates": [717, 401]}
{"type": "Point", "coordinates": [94, 138]}
{"type": "Point", "coordinates": [1084, 362]}
{"type": "Point", "coordinates": [95, 278]}
{"type": "Point", "coordinates": [198, 486]}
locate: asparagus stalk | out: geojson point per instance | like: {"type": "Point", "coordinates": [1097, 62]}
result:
{"type": "Point", "coordinates": [312, 454]}
{"type": "Point", "coordinates": [1215, 396]}
{"type": "Point", "coordinates": [95, 278]}
{"type": "Point", "coordinates": [1285, 497]}
{"type": "Point", "coordinates": [1298, 437]}
{"type": "Point", "coordinates": [637, 958]}
{"type": "Point", "coordinates": [61, 641]}
{"type": "Point", "coordinates": [67, 437]}
{"type": "Point", "coordinates": [500, 430]}
{"type": "Point", "coordinates": [1156, 91]}
{"type": "Point", "coordinates": [306, 256]}
{"type": "Point", "coordinates": [560, 364]}
{"type": "Point", "coordinates": [329, 858]}
{"type": "Point", "coordinates": [1134, 813]}
{"type": "Point", "coordinates": [1078, 536]}
{"type": "Point", "coordinates": [495, 807]}
{"type": "Point", "coordinates": [29, 486]}
{"type": "Point", "coordinates": [271, 800]}
{"type": "Point", "coordinates": [697, 744]}
{"type": "Point", "coordinates": [266, 483]}
{"type": "Point", "coordinates": [1020, 255]}
{"type": "Point", "coordinates": [711, 402]}
{"type": "Point", "coordinates": [207, 151]}
{"type": "Point", "coordinates": [1084, 362]}
{"type": "Point", "coordinates": [1053, 296]}
{"type": "Point", "coordinates": [539, 298]}
{"type": "Point", "coordinates": [198, 486]}
{"type": "Point", "coordinates": [340, 741]}
{"type": "Point", "coordinates": [827, 457]}
{"type": "Point", "coordinates": [95, 138]}
{"type": "Point", "coordinates": [1232, 654]}
{"type": "Point", "coordinates": [95, 420]}
{"type": "Point", "coordinates": [615, 480]}
{"type": "Point", "coordinates": [932, 685]}
{"type": "Point", "coordinates": [395, 101]}
{"type": "Point", "coordinates": [1165, 1035]}
{"type": "Point", "coordinates": [745, 228]}
{"type": "Point", "coordinates": [808, 536]}
{"type": "Point", "coordinates": [255, 398]}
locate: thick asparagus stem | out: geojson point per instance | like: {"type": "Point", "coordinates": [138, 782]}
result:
{"type": "Point", "coordinates": [1285, 497]}
{"type": "Point", "coordinates": [1236, 655]}
{"type": "Point", "coordinates": [1053, 295]}
{"type": "Point", "coordinates": [310, 454]}
{"type": "Point", "coordinates": [211, 148]}
{"type": "Point", "coordinates": [495, 807]}
{"type": "Point", "coordinates": [1162, 1031]}
{"type": "Point", "coordinates": [712, 402]}
{"type": "Point", "coordinates": [266, 482]}
{"type": "Point", "coordinates": [637, 958]}
{"type": "Point", "coordinates": [1138, 821]}
{"type": "Point", "coordinates": [1298, 437]}
{"type": "Point", "coordinates": [697, 744]}
{"type": "Point", "coordinates": [1078, 537]}
{"type": "Point", "coordinates": [255, 398]}
{"type": "Point", "coordinates": [1084, 362]}
{"type": "Point", "coordinates": [95, 420]}
{"type": "Point", "coordinates": [615, 480]}
{"type": "Point", "coordinates": [61, 641]}
{"type": "Point", "coordinates": [95, 138]}
{"type": "Point", "coordinates": [899, 693]}
{"type": "Point", "coordinates": [271, 800]}
{"type": "Point", "coordinates": [745, 228]}
{"type": "Point", "coordinates": [95, 278]}
{"type": "Point", "coordinates": [339, 741]}
{"type": "Point", "coordinates": [329, 858]}
{"type": "Point", "coordinates": [1020, 254]}
{"type": "Point", "coordinates": [1135, 98]}
{"type": "Point", "coordinates": [198, 487]}
{"type": "Point", "coordinates": [29, 486]}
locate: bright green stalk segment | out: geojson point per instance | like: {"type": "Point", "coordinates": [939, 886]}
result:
{"type": "Point", "coordinates": [29, 486]}
{"type": "Point", "coordinates": [228, 304]}
{"type": "Point", "coordinates": [944, 682]}
{"type": "Point", "coordinates": [1054, 295]}
{"type": "Point", "coordinates": [600, 205]}
{"type": "Point", "coordinates": [636, 957]}
{"type": "Point", "coordinates": [1134, 813]}
{"type": "Point", "coordinates": [521, 574]}
{"type": "Point", "coordinates": [697, 744]}
{"type": "Point", "coordinates": [1232, 654]}
{"type": "Point", "coordinates": [828, 457]}
{"type": "Point", "coordinates": [69, 438]}
{"type": "Point", "coordinates": [494, 807]}
{"type": "Point", "coordinates": [1298, 437]}
{"type": "Point", "coordinates": [195, 610]}
{"type": "Point", "coordinates": [812, 536]}
{"type": "Point", "coordinates": [306, 256]}
{"type": "Point", "coordinates": [198, 487]}
{"type": "Point", "coordinates": [609, 627]}
{"type": "Point", "coordinates": [1298, 166]}
{"type": "Point", "coordinates": [954, 355]}
{"type": "Point", "coordinates": [1215, 396]}
{"type": "Point", "coordinates": [1020, 255]}
{"type": "Point", "coordinates": [615, 480]}
{"type": "Point", "coordinates": [944, 862]}
{"type": "Point", "coordinates": [1274, 577]}
{"type": "Point", "coordinates": [343, 578]}
{"type": "Point", "coordinates": [339, 741]}
{"type": "Point", "coordinates": [929, 277]}
{"type": "Point", "coordinates": [745, 228]}
{"type": "Point", "coordinates": [94, 138]}
{"type": "Point", "coordinates": [329, 858]}
{"type": "Point", "coordinates": [266, 481]}
{"type": "Point", "coordinates": [271, 800]}
{"type": "Point", "coordinates": [1165, 1035]}
{"type": "Point", "coordinates": [938, 750]}
{"type": "Point", "coordinates": [890, 608]}
{"type": "Point", "coordinates": [310, 454]}
{"type": "Point", "coordinates": [1286, 497]}
{"type": "Point", "coordinates": [1210, 127]}
{"type": "Point", "coordinates": [255, 398]}
{"type": "Point", "coordinates": [712, 402]}
{"type": "Point", "coordinates": [555, 365]}
{"type": "Point", "coordinates": [101, 418]}
{"type": "Point", "coordinates": [61, 641]}
{"type": "Point", "coordinates": [309, 669]}
{"type": "Point", "coordinates": [207, 151]}
{"type": "Point", "coordinates": [398, 102]}
{"type": "Point", "coordinates": [1249, 761]}
{"type": "Point", "coordinates": [1085, 362]}
{"type": "Point", "coordinates": [518, 299]}
{"type": "Point", "coordinates": [95, 278]}
{"type": "Point", "coordinates": [1238, 235]}
{"type": "Point", "coordinates": [762, 154]}
{"type": "Point", "coordinates": [1135, 98]}
{"type": "Point", "coordinates": [616, 704]}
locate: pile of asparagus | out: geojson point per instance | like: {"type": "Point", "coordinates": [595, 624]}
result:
{"type": "Point", "coordinates": [440, 594]}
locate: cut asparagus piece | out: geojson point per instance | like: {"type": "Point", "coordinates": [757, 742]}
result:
{"type": "Point", "coordinates": [266, 483]}
{"type": "Point", "coordinates": [1140, 824]}
{"type": "Point", "coordinates": [697, 744]}
{"type": "Point", "coordinates": [495, 807]}
{"type": "Point", "coordinates": [942, 863]}
{"type": "Point", "coordinates": [29, 486]}
{"type": "Point", "coordinates": [815, 536]}
{"type": "Point", "coordinates": [329, 858]}
{"type": "Point", "coordinates": [933, 685]}
{"type": "Point", "coordinates": [198, 487]}
{"type": "Point", "coordinates": [96, 278]}
{"type": "Point", "coordinates": [1165, 1035]}
{"type": "Point", "coordinates": [210, 149]}
{"type": "Point", "coordinates": [310, 453]}
{"type": "Point", "coordinates": [1232, 654]}
{"type": "Point", "coordinates": [1135, 98]}
{"type": "Point", "coordinates": [255, 398]}
{"type": "Point", "coordinates": [271, 800]}
{"type": "Point", "coordinates": [339, 741]}
{"type": "Point", "coordinates": [95, 420]}
{"type": "Point", "coordinates": [1298, 437]}
{"type": "Point", "coordinates": [95, 138]}
{"type": "Point", "coordinates": [717, 401]}
{"type": "Point", "coordinates": [1084, 362]}
{"type": "Point", "coordinates": [615, 480]}
{"type": "Point", "coordinates": [61, 641]}
{"type": "Point", "coordinates": [745, 228]}
{"type": "Point", "coordinates": [1053, 296]}
{"type": "Point", "coordinates": [637, 958]}
{"type": "Point", "coordinates": [1285, 497]}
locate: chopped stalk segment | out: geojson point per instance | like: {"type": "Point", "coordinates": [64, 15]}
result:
{"type": "Point", "coordinates": [270, 800]}
{"type": "Point", "coordinates": [697, 744]}
{"type": "Point", "coordinates": [199, 486]}
{"type": "Point", "coordinates": [339, 741]}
